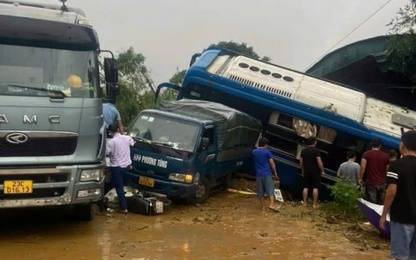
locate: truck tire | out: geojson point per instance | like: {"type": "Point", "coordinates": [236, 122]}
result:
{"type": "Point", "coordinates": [84, 212]}
{"type": "Point", "coordinates": [202, 193]}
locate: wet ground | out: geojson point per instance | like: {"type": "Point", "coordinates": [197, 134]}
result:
{"type": "Point", "coordinates": [228, 226]}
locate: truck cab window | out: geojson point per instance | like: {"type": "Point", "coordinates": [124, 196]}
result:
{"type": "Point", "coordinates": [166, 131]}
{"type": "Point", "coordinates": [34, 71]}
{"type": "Point", "coordinates": [209, 133]}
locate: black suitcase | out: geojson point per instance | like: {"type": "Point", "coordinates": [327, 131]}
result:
{"type": "Point", "coordinates": [145, 206]}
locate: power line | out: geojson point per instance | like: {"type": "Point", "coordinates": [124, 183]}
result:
{"type": "Point", "coordinates": [346, 36]}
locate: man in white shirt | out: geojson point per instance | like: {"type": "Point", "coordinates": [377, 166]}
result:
{"type": "Point", "coordinates": [118, 149]}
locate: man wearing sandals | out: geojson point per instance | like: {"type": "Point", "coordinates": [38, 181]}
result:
{"type": "Point", "coordinates": [312, 170]}
{"type": "Point", "coordinates": [264, 165]}
{"type": "Point", "coordinates": [118, 149]}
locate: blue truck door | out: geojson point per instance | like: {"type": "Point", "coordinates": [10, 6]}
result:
{"type": "Point", "coordinates": [209, 154]}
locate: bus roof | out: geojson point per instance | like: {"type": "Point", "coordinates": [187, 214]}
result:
{"type": "Point", "coordinates": [292, 85]}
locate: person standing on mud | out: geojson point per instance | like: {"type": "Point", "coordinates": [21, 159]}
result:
{"type": "Point", "coordinates": [375, 164]}
{"type": "Point", "coordinates": [400, 201]}
{"type": "Point", "coordinates": [312, 170]}
{"type": "Point", "coordinates": [118, 148]}
{"type": "Point", "coordinates": [350, 170]}
{"type": "Point", "coordinates": [264, 165]}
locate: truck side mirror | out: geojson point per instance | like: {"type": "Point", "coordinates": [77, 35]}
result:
{"type": "Point", "coordinates": [112, 90]}
{"type": "Point", "coordinates": [111, 70]}
{"type": "Point", "coordinates": [204, 143]}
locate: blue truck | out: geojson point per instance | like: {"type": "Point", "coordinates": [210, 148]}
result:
{"type": "Point", "coordinates": [186, 148]}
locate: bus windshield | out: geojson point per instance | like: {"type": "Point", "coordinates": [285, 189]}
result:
{"type": "Point", "coordinates": [33, 71]}
{"type": "Point", "coordinates": [166, 131]}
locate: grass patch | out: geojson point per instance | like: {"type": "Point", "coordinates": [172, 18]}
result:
{"type": "Point", "coordinates": [345, 203]}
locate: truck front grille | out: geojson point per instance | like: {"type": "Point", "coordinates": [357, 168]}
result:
{"type": "Point", "coordinates": [36, 178]}
{"type": "Point", "coordinates": [43, 146]}
{"type": "Point", "coordinates": [37, 193]}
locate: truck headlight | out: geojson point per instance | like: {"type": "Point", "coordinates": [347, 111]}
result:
{"type": "Point", "coordinates": [88, 193]}
{"type": "Point", "coordinates": [91, 175]}
{"type": "Point", "coordinates": [182, 177]}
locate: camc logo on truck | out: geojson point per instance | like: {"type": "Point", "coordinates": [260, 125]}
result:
{"type": "Point", "coordinates": [53, 119]}
{"type": "Point", "coordinates": [17, 138]}
{"type": "Point", "coordinates": [150, 160]}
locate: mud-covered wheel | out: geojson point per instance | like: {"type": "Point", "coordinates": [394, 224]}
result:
{"type": "Point", "coordinates": [84, 212]}
{"type": "Point", "coordinates": [202, 193]}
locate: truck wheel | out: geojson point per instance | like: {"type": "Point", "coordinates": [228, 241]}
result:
{"type": "Point", "coordinates": [202, 193]}
{"type": "Point", "coordinates": [84, 212]}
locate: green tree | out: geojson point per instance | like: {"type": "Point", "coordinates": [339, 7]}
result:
{"type": "Point", "coordinates": [240, 48]}
{"type": "Point", "coordinates": [177, 79]}
{"type": "Point", "coordinates": [401, 46]}
{"type": "Point", "coordinates": [135, 92]}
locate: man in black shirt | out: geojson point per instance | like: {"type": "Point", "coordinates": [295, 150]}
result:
{"type": "Point", "coordinates": [312, 170]}
{"type": "Point", "coordinates": [401, 200]}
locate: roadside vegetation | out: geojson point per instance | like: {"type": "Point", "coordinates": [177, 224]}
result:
{"type": "Point", "coordinates": [344, 205]}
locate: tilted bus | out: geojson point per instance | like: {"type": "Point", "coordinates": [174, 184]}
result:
{"type": "Point", "coordinates": [293, 106]}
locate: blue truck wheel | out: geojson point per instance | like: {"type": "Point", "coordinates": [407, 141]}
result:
{"type": "Point", "coordinates": [202, 193]}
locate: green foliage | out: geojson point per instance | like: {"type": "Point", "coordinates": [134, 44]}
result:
{"type": "Point", "coordinates": [240, 48]}
{"type": "Point", "coordinates": [170, 94]}
{"type": "Point", "coordinates": [345, 197]}
{"type": "Point", "coordinates": [401, 45]}
{"type": "Point", "coordinates": [178, 77]}
{"type": "Point", "coordinates": [130, 102]}
{"type": "Point", "coordinates": [130, 64]}
{"type": "Point", "coordinates": [135, 92]}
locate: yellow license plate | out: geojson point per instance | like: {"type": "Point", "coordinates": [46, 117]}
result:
{"type": "Point", "coordinates": [18, 187]}
{"type": "Point", "coordinates": [149, 182]}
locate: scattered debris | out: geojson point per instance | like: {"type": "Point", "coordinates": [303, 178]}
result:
{"type": "Point", "coordinates": [242, 192]}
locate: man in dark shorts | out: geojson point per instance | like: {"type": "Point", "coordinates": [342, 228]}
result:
{"type": "Point", "coordinates": [312, 170]}
{"type": "Point", "coordinates": [374, 163]}
{"type": "Point", "coordinates": [264, 165]}
{"type": "Point", "coordinates": [401, 200]}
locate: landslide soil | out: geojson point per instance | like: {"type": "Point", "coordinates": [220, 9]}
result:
{"type": "Point", "coordinates": [228, 226]}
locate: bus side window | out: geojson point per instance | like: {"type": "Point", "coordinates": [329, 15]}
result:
{"type": "Point", "coordinates": [342, 144]}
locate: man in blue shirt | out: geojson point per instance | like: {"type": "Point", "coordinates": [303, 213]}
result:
{"type": "Point", "coordinates": [112, 116]}
{"type": "Point", "coordinates": [264, 166]}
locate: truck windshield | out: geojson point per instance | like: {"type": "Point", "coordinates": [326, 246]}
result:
{"type": "Point", "coordinates": [33, 71]}
{"type": "Point", "coordinates": [165, 131]}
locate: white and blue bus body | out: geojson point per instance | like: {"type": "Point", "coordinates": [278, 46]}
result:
{"type": "Point", "coordinates": [293, 106]}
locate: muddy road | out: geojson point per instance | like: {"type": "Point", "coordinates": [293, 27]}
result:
{"type": "Point", "coordinates": [228, 226]}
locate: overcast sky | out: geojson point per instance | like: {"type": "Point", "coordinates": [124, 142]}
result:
{"type": "Point", "coordinates": [294, 33]}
